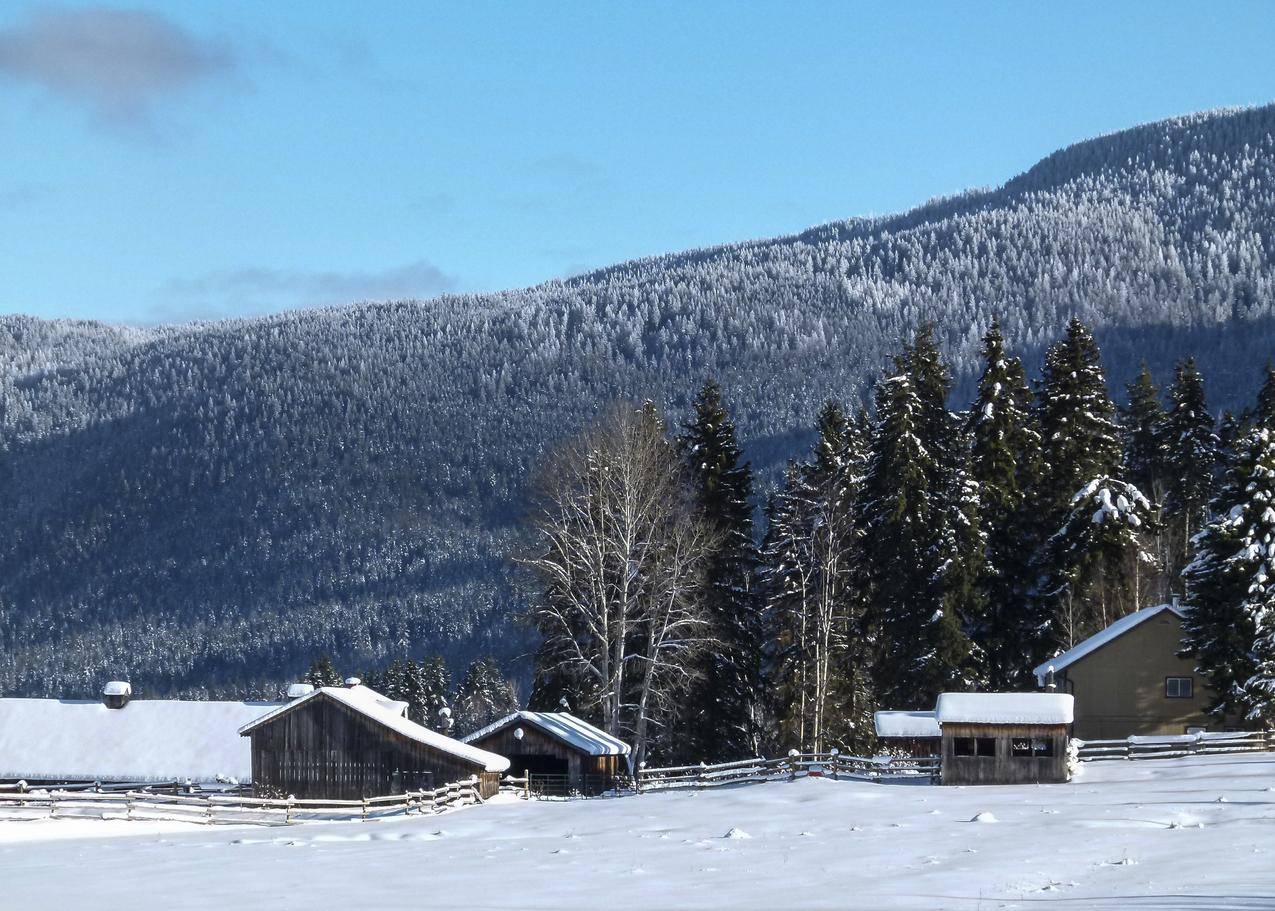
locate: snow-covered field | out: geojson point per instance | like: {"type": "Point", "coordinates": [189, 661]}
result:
{"type": "Point", "coordinates": [1164, 834]}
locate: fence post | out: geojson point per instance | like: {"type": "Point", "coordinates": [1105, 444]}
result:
{"type": "Point", "coordinates": [836, 756]}
{"type": "Point", "coordinates": [792, 765]}
{"type": "Point", "coordinates": [365, 809]}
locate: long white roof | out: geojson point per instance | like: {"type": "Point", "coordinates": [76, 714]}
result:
{"type": "Point", "coordinates": [1098, 640]}
{"type": "Point", "coordinates": [1004, 708]}
{"type": "Point", "coordinates": [147, 740]}
{"type": "Point", "coordinates": [906, 724]}
{"type": "Point", "coordinates": [566, 727]}
{"type": "Point", "coordinates": [393, 715]}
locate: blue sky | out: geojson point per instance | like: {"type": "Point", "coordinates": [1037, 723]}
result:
{"type": "Point", "coordinates": [176, 161]}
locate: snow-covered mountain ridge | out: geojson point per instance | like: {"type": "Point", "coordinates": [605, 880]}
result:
{"type": "Point", "coordinates": [215, 503]}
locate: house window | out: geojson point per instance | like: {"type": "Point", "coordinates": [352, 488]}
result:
{"type": "Point", "coordinates": [1178, 687]}
{"type": "Point", "coordinates": [986, 746]}
{"type": "Point", "coordinates": [1020, 746]}
{"type": "Point", "coordinates": [962, 746]}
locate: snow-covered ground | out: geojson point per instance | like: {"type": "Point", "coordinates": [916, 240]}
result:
{"type": "Point", "coordinates": [1163, 834]}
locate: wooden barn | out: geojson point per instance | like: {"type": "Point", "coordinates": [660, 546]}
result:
{"type": "Point", "coordinates": [1004, 738]}
{"type": "Point", "coordinates": [562, 754]}
{"type": "Point", "coordinates": [350, 742]}
{"type": "Point", "coordinates": [907, 733]}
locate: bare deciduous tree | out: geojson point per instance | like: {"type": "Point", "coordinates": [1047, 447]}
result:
{"type": "Point", "coordinates": [618, 564]}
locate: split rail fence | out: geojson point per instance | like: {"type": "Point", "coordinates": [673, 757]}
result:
{"type": "Point", "coordinates": [1175, 746]}
{"type": "Point", "coordinates": [829, 765]}
{"type": "Point", "coordinates": [235, 809]}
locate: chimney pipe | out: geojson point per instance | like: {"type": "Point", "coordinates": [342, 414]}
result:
{"type": "Point", "coordinates": [1050, 685]}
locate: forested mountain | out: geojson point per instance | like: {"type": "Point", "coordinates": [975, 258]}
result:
{"type": "Point", "coordinates": [206, 507]}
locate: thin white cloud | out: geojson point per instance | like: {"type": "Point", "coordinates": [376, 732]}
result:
{"type": "Point", "coordinates": [117, 63]}
{"type": "Point", "coordinates": [259, 289]}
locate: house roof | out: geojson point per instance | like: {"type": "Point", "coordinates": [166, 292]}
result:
{"type": "Point", "coordinates": [564, 726]}
{"type": "Point", "coordinates": [147, 740]}
{"type": "Point", "coordinates": [906, 724]}
{"type": "Point", "coordinates": [1004, 708]}
{"type": "Point", "coordinates": [1098, 640]}
{"type": "Point", "coordinates": [392, 714]}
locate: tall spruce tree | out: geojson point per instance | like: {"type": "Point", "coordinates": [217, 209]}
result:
{"type": "Point", "coordinates": [1230, 626]}
{"type": "Point", "coordinates": [1142, 426]}
{"type": "Point", "coordinates": [721, 715]}
{"type": "Point", "coordinates": [1191, 454]}
{"type": "Point", "coordinates": [1080, 447]}
{"type": "Point", "coordinates": [1005, 461]}
{"type": "Point", "coordinates": [920, 646]}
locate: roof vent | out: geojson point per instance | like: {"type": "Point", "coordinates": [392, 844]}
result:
{"type": "Point", "coordinates": [297, 690]}
{"type": "Point", "coordinates": [115, 695]}
{"type": "Point", "coordinates": [352, 681]}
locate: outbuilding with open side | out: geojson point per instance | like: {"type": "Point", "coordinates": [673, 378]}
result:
{"type": "Point", "coordinates": [1004, 738]}
{"type": "Point", "coordinates": [561, 754]}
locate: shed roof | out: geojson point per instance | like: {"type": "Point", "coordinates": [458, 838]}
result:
{"type": "Point", "coordinates": [906, 724]}
{"type": "Point", "coordinates": [392, 714]}
{"type": "Point", "coordinates": [146, 740]}
{"type": "Point", "coordinates": [1004, 708]}
{"type": "Point", "coordinates": [1099, 639]}
{"type": "Point", "coordinates": [575, 732]}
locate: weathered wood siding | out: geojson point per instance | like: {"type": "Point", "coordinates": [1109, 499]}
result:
{"type": "Point", "coordinates": [1004, 768]}
{"type": "Point", "coordinates": [324, 749]}
{"type": "Point", "coordinates": [581, 766]}
{"type": "Point", "coordinates": [909, 746]}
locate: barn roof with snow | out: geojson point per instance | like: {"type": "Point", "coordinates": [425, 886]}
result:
{"type": "Point", "coordinates": [575, 732]}
{"type": "Point", "coordinates": [1099, 639]}
{"type": "Point", "coordinates": [1004, 708]}
{"type": "Point", "coordinates": [390, 713]}
{"type": "Point", "coordinates": [906, 724]}
{"type": "Point", "coordinates": [144, 740]}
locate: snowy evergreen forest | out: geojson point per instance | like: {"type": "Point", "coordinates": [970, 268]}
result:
{"type": "Point", "coordinates": [205, 508]}
{"type": "Point", "coordinates": [915, 549]}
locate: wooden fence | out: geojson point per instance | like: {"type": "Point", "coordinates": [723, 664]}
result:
{"type": "Point", "coordinates": [215, 808]}
{"type": "Point", "coordinates": [829, 765]}
{"type": "Point", "coordinates": [1175, 746]}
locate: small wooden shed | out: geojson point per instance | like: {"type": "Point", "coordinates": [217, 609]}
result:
{"type": "Point", "coordinates": [907, 733]}
{"type": "Point", "coordinates": [561, 753]}
{"type": "Point", "coordinates": [1004, 738]}
{"type": "Point", "coordinates": [350, 742]}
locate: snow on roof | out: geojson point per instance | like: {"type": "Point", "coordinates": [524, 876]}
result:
{"type": "Point", "coordinates": [117, 688]}
{"type": "Point", "coordinates": [1098, 640]}
{"type": "Point", "coordinates": [906, 724]}
{"type": "Point", "coordinates": [1004, 708]}
{"type": "Point", "coordinates": [147, 740]}
{"type": "Point", "coordinates": [392, 714]}
{"type": "Point", "coordinates": [564, 726]}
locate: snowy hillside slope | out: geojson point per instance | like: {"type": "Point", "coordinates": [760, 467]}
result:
{"type": "Point", "coordinates": [1167, 835]}
{"type": "Point", "coordinates": [243, 495]}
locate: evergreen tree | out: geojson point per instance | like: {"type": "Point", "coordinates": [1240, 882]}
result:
{"type": "Point", "coordinates": [1005, 460]}
{"type": "Point", "coordinates": [1142, 426]}
{"type": "Point", "coordinates": [483, 696]}
{"type": "Point", "coordinates": [425, 688]}
{"type": "Point", "coordinates": [1231, 589]}
{"type": "Point", "coordinates": [322, 673]}
{"type": "Point", "coordinates": [1080, 447]}
{"type": "Point", "coordinates": [1079, 439]}
{"type": "Point", "coordinates": [1191, 453]}
{"type": "Point", "coordinates": [1097, 559]}
{"type": "Point", "coordinates": [721, 715]}
{"type": "Point", "coordinates": [1264, 414]}
{"type": "Point", "coordinates": [921, 648]}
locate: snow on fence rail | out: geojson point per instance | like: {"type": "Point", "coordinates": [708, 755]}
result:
{"type": "Point", "coordinates": [235, 809]}
{"type": "Point", "coordinates": [1171, 746]}
{"type": "Point", "coordinates": [794, 765]}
